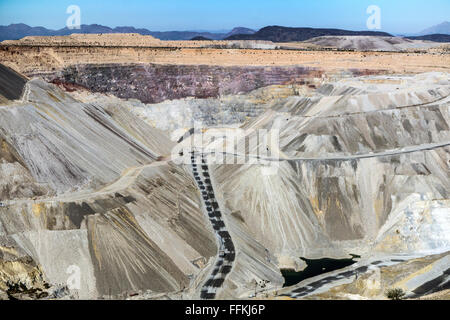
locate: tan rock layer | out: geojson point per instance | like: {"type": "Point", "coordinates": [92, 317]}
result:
{"type": "Point", "coordinates": [40, 59]}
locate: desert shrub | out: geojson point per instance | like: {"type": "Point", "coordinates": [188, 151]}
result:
{"type": "Point", "coordinates": [395, 294]}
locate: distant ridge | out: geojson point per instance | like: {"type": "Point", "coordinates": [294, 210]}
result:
{"type": "Point", "coordinates": [270, 33]}
{"type": "Point", "coordinates": [442, 28]}
{"type": "Point", "coordinates": [432, 37]}
{"type": "Point", "coordinates": [286, 34]}
{"type": "Point", "coordinates": [239, 30]}
{"type": "Point", "coordinates": [200, 38]}
{"type": "Point", "coordinates": [20, 30]}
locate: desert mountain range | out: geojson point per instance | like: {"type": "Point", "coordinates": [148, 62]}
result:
{"type": "Point", "coordinates": [439, 33]}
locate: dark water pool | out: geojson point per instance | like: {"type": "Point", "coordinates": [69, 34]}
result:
{"type": "Point", "coordinates": [314, 268]}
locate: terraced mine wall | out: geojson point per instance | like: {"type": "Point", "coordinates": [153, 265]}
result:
{"type": "Point", "coordinates": [153, 83]}
{"type": "Point", "coordinates": [82, 183]}
{"type": "Point", "coordinates": [35, 58]}
{"type": "Point", "coordinates": [109, 234]}
{"type": "Point", "coordinates": [132, 224]}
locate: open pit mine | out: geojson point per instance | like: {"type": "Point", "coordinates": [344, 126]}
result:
{"type": "Point", "coordinates": [152, 169]}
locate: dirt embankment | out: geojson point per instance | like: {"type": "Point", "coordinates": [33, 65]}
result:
{"type": "Point", "coordinates": [32, 60]}
{"type": "Point", "coordinates": [154, 74]}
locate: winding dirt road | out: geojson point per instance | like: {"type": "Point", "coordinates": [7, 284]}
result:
{"type": "Point", "coordinates": [226, 256]}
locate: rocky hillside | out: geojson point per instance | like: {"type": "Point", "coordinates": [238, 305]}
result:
{"type": "Point", "coordinates": [442, 28]}
{"type": "Point", "coordinates": [371, 43]}
{"type": "Point", "coordinates": [92, 183]}
{"type": "Point", "coordinates": [239, 30]}
{"type": "Point", "coordinates": [285, 34]}
{"type": "Point", "coordinates": [330, 143]}
{"type": "Point", "coordinates": [133, 223]}
{"type": "Point", "coordinates": [435, 37]}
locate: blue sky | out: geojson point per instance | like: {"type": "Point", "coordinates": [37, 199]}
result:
{"type": "Point", "coordinates": [397, 16]}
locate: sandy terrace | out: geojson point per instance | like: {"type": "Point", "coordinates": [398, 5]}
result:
{"type": "Point", "coordinates": [36, 59]}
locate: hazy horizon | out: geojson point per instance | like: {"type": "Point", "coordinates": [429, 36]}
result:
{"type": "Point", "coordinates": [399, 17]}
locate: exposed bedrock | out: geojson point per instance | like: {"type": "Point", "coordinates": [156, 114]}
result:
{"type": "Point", "coordinates": [170, 115]}
{"type": "Point", "coordinates": [94, 195]}
{"type": "Point", "coordinates": [360, 178]}
{"type": "Point", "coordinates": [89, 184]}
{"type": "Point", "coordinates": [343, 120]}
{"type": "Point", "coordinates": [334, 207]}
{"type": "Point", "coordinates": [144, 232]}
{"type": "Point", "coordinates": [97, 207]}
{"type": "Point", "coordinates": [65, 144]}
{"type": "Point", "coordinates": [16, 180]}
{"type": "Point", "coordinates": [152, 83]}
